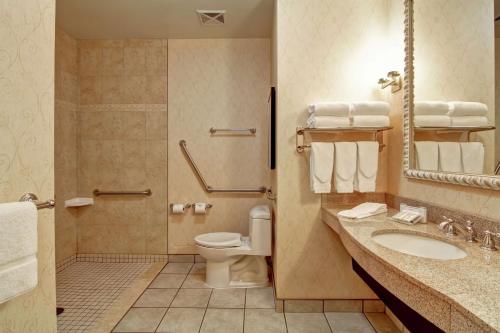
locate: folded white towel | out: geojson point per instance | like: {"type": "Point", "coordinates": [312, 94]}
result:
{"type": "Point", "coordinates": [18, 248]}
{"type": "Point", "coordinates": [432, 121]}
{"type": "Point", "coordinates": [370, 108]}
{"type": "Point", "coordinates": [327, 122]}
{"type": "Point", "coordinates": [336, 109]}
{"type": "Point", "coordinates": [431, 108]}
{"type": "Point", "coordinates": [321, 166]}
{"type": "Point", "coordinates": [427, 155]}
{"type": "Point", "coordinates": [472, 157]}
{"type": "Point", "coordinates": [370, 121]}
{"type": "Point", "coordinates": [345, 166]}
{"type": "Point", "coordinates": [460, 109]}
{"type": "Point", "coordinates": [450, 157]}
{"type": "Point", "coordinates": [367, 166]}
{"type": "Point", "coordinates": [469, 121]}
{"type": "Point", "coordinates": [364, 210]}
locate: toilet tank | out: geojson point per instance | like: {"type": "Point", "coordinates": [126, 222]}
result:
{"type": "Point", "coordinates": [260, 230]}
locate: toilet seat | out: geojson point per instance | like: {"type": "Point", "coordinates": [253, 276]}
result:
{"type": "Point", "coordinates": [219, 239]}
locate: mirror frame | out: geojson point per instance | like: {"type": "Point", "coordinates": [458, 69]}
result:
{"type": "Point", "coordinates": [481, 181]}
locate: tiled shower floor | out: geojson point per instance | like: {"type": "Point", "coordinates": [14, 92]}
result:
{"type": "Point", "coordinates": [87, 289]}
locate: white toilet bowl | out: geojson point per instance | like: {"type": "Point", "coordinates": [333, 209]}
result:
{"type": "Point", "coordinates": [234, 261]}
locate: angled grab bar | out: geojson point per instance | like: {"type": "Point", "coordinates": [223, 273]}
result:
{"type": "Point", "coordinates": [208, 188]}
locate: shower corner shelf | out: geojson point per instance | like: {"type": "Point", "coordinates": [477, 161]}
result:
{"type": "Point", "coordinates": [376, 131]}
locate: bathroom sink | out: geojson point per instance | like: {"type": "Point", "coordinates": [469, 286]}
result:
{"type": "Point", "coordinates": [418, 245]}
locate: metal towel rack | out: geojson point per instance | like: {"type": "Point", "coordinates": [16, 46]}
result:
{"type": "Point", "coordinates": [251, 131]}
{"type": "Point", "coordinates": [208, 188]}
{"type": "Point", "coordinates": [30, 197]}
{"type": "Point", "coordinates": [147, 192]}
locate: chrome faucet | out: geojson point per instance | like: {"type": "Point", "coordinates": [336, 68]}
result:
{"type": "Point", "coordinates": [450, 228]}
{"type": "Point", "coordinates": [488, 242]}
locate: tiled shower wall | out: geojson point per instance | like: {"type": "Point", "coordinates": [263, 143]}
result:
{"type": "Point", "coordinates": [122, 145]}
{"type": "Point", "coordinates": [65, 135]}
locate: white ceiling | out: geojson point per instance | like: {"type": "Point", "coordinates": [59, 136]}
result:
{"type": "Point", "coordinates": [113, 19]}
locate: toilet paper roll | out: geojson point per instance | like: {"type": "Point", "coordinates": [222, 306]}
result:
{"type": "Point", "coordinates": [200, 208]}
{"type": "Point", "coordinates": [178, 208]}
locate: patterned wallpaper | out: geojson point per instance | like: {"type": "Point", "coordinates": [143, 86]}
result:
{"type": "Point", "coordinates": [216, 83]}
{"type": "Point", "coordinates": [26, 144]}
{"type": "Point", "coordinates": [327, 50]}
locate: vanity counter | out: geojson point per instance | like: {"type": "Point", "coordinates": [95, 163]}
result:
{"type": "Point", "coordinates": [461, 295]}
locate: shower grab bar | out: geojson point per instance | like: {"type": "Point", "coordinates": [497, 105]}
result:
{"type": "Point", "coordinates": [30, 197]}
{"type": "Point", "coordinates": [210, 189]}
{"type": "Point", "coordinates": [235, 130]}
{"type": "Point", "coordinates": [147, 192]}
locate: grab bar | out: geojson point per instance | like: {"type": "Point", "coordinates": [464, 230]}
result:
{"type": "Point", "coordinates": [236, 130]}
{"type": "Point", "coordinates": [30, 197]}
{"type": "Point", "coordinates": [208, 188]}
{"type": "Point", "coordinates": [147, 192]}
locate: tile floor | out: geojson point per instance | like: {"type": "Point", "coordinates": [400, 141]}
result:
{"type": "Point", "coordinates": [87, 289]}
{"type": "Point", "coordinates": [178, 301]}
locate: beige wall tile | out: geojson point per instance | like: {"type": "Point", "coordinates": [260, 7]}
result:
{"type": "Point", "coordinates": [343, 305]}
{"type": "Point", "coordinates": [306, 306]}
{"type": "Point", "coordinates": [112, 61]}
{"type": "Point", "coordinates": [373, 306]}
{"type": "Point", "coordinates": [90, 90]}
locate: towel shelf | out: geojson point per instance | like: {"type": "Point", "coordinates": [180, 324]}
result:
{"type": "Point", "coordinates": [442, 130]}
{"type": "Point", "coordinates": [300, 146]}
{"type": "Point", "coordinates": [30, 197]}
{"type": "Point", "coordinates": [147, 192]}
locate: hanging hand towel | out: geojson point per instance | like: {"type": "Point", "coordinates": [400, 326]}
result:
{"type": "Point", "coordinates": [367, 166]}
{"type": "Point", "coordinates": [450, 157]}
{"type": "Point", "coordinates": [370, 109]}
{"type": "Point", "coordinates": [336, 109]}
{"type": "Point", "coordinates": [469, 121]}
{"type": "Point", "coordinates": [427, 155]}
{"type": "Point", "coordinates": [460, 109]}
{"type": "Point", "coordinates": [431, 108]}
{"type": "Point", "coordinates": [472, 157]}
{"type": "Point", "coordinates": [345, 166]}
{"type": "Point", "coordinates": [370, 121]}
{"type": "Point", "coordinates": [327, 122]}
{"type": "Point", "coordinates": [432, 121]}
{"type": "Point", "coordinates": [18, 247]}
{"type": "Point", "coordinates": [321, 166]}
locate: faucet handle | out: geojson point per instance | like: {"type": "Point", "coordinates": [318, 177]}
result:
{"type": "Point", "coordinates": [488, 243]}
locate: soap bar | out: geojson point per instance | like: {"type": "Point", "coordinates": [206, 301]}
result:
{"type": "Point", "coordinates": [78, 202]}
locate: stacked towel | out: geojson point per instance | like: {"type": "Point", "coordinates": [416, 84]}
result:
{"type": "Point", "coordinates": [370, 114]}
{"type": "Point", "coordinates": [472, 157]}
{"type": "Point", "coordinates": [367, 166]}
{"type": "Point", "coordinates": [18, 248]}
{"type": "Point", "coordinates": [468, 114]}
{"type": "Point", "coordinates": [329, 115]}
{"type": "Point", "coordinates": [431, 114]}
{"type": "Point", "coordinates": [345, 166]}
{"type": "Point", "coordinates": [321, 166]}
{"type": "Point", "coordinates": [364, 210]}
{"type": "Point", "coordinates": [427, 155]}
{"type": "Point", "coordinates": [450, 157]}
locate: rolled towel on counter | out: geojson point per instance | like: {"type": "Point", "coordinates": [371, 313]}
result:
{"type": "Point", "coordinates": [345, 166]}
{"type": "Point", "coordinates": [469, 121]}
{"type": "Point", "coordinates": [336, 109]}
{"type": "Point", "coordinates": [431, 108]}
{"type": "Point", "coordinates": [370, 121]}
{"type": "Point", "coordinates": [367, 166]}
{"type": "Point", "coordinates": [370, 108]}
{"type": "Point", "coordinates": [450, 157]}
{"type": "Point", "coordinates": [472, 157]}
{"type": "Point", "coordinates": [321, 166]}
{"type": "Point", "coordinates": [327, 122]}
{"type": "Point", "coordinates": [460, 109]}
{"type": "Point", "coordinates": [432, 121]}
{"type": "Point", "coordinates": [427, 155]}
{"type": "Point", "coordinates": [18, 249]}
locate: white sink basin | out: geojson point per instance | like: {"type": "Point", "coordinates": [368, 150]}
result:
{"type": "Point", "coordinates": [419, 246]}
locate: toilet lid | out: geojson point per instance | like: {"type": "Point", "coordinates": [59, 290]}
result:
{"type": "Point", "coordinates": [219, 239]}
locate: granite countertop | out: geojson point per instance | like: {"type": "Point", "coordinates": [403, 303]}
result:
{"type": "Point", "coordinates": [471, 284]}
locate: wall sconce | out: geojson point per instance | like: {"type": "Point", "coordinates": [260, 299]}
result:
{"type": "Point", "coordinates": [393, 79]}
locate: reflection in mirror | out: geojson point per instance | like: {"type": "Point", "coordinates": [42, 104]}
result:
{"type": "Point", "coordinates": [453, 116]}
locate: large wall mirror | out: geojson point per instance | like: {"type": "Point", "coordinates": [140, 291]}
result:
{"type": "Point", "coordinates": [452, 106]}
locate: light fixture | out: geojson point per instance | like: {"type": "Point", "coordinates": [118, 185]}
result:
{"type": "Point", "coordinates": [393, 79]}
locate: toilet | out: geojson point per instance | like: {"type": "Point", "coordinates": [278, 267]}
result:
{"type": "Point", "coordinates": [235, 261]}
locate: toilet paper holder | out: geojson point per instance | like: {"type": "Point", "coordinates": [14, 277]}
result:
{"type": "Point", "coordinates": [207, 205]}
{"type": "Point", "coordinates": [188, 205]}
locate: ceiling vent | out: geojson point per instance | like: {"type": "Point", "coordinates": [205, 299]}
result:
{"type": "Point", "coordinates": [211, 17]}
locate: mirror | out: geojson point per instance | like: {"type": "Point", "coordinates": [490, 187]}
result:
{"type": "Point", "coordinates": [451, 117]}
